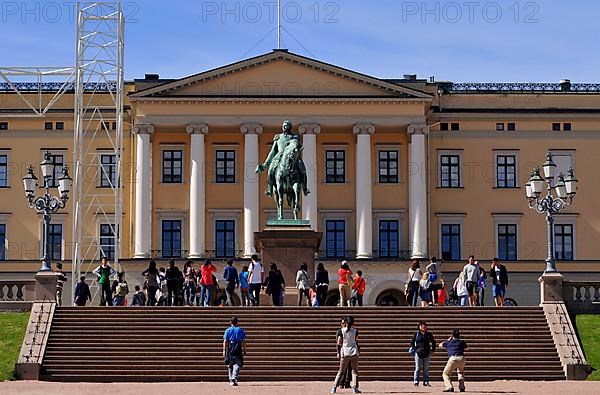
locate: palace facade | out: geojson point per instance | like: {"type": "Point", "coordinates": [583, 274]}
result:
{"type": "Point", "coordinates": [397, 168]}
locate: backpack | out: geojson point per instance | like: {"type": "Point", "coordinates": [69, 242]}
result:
{"type": "Point", "coordinates": [122, 289]}
{"type": "Point", "coordinates": [433, 276]}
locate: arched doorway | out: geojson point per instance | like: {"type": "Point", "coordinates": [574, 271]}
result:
{"type": "Point", "coordinates": [391, 297]}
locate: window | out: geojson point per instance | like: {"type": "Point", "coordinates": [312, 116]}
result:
{"type": "Point", "coordinates": [171, 238]}
{"type": "Point", "coordinates": [506, 168]}
{"type": "Point", "coordinates": [225, 166]}
{"type": "Point", "coordinates": [172, 166]}
{"type": "Point", "coordinates": [388, 167]}
{"type": "Point", "coordinates": [444, 126]}
{"type": "Point", "coordinates": [511, 126]}
{"type": "Point", "coordinates": [500, 127]}
{"type": "Point", "coordinates": [455, 126]}
{"type": "Point", "coordinates": [114, 126]}
{"type": "Point", "coordinates": [55, 242]}
{"type": "Point", "coordinates": [450, 242]}
{"type": "Point", "coordinates": [107, 241]}
{"type": "Point", "coordinates": [450, 171]}
{"type": "Point", "coordinates": [388, 239]}
{"type": "Point", "coordinates": [3, 125]}
{"type": "Point", "coordinates": [105, 125]}
{"type": "Point", "coordinates": [335, 238]}
{"type": "Point", "coordinates": [564, 160]}
{"type": "Point", "coordinates": [556, 127]}
{"type": "Point", "coordinates": [335, 166]}
{"type": "Point", "coordinates": [60, 126]}
{"type": "Point", "coordinates": [3, 171]}
{"type": "Point", "coordinates": [58, 162]}
{"type": "Point", "coordinates": [108, 170]}
{"type": "Point", "coordinates": [48, 126]}
{"type": "Point", "coordinates": [507, 242]}
{"type": "Point", "coordinates": [563, 242]}
{"type": "Point", "coordinates": [225, 238]}
{"type": "Point", "coordinates": [2, 242]}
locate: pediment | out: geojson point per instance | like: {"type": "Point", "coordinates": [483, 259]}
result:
{"type": "Point", "coordinates": [280, 74]}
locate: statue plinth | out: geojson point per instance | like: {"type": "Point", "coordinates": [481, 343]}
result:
{"type": "Point", "coordinates": [288, 243]}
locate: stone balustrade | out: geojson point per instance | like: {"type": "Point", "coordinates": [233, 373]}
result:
{"type": "Point", "coordinates": [17, 290]}
{"type": "Point", "coordinates": [582, 296]}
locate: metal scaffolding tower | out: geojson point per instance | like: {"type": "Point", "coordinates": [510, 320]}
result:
{"type": "Point", "coordinates": [98, 135]}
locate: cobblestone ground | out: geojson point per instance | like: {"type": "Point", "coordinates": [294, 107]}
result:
{"type": "Point", "coordinates": [287, 388]}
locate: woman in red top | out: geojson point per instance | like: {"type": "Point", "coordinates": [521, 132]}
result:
{"type": "Point", "coordinates": [206, 282]}
{"type": "Point", "coordinates": [344, 273]}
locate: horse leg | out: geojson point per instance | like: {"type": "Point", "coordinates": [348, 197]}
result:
{"type": "Point", "coordinates": [280, 194]}
{"type": "Point", "coordinates": [296, 200]}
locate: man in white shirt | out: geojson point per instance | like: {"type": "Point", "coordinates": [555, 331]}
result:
{"type": "Point", "coordinates": [256, 278]}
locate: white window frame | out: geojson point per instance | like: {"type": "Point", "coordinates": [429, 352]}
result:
{"type": "Point", "coordinates": [228, 147]}
{"type": "Point", "coordinates": [565, 152]}
{"type": "Point", "coordinates": [501, 152]}
{"type": "Point", "coordinates": [172, 147]}
{"type": "Point", "coordinates": [336, 215]}
{"type": "Point", "coordinates": [507, 219]}
{"type": "Point", "coordinates": [335, 147]}
{"type": "Point", "coordinates": [451, 219]}
{"type": "Point", "coordinates": [172, 215]}
{"type": "Point", "coordinates": [394, 147]}
{"type": "Point", "coordinates": [7, 152]}
{"type": "Point", "coordinates": [100, 153]}
{"type": "Point", "coordinates": [389, 215]}
{"type": "Point", "coordinates": [57, 219]}
{"type": "Point", "coordinates": [456, 152]}
{"type": "Point", "coordinates": [224, 215]}
{"type": "Point", "coordinates": [4, 219]}
{"type": "Point", "coordinates": [568, 219]}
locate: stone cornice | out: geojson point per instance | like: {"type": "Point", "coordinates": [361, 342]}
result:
{"type": "Point", "coordinates": [200, 128]}
{"type": "Point", "coordinates": [251, 128]}
{"type": "Point", "coordinates": [309, 128]}
{"type": "Point", "coordinates": [143, 129]}
{"type": "Point", "coordinates": [278, 100]}
{"type": "Point", "coordinates": [363, 128]}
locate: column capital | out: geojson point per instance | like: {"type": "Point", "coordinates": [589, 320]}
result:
{"type": "Point", "coordinates": [143, 128]}
{"type": "Point", "coordinates": [251, 128]}
{"type": "Point", "coordinates": [309, 128]}
{"type": "Point", "coordinates": [364, 128]}
{"type": "Point", "coordinates": [197, 128]}
{"type": "Point", "coordinates": [418, 129]}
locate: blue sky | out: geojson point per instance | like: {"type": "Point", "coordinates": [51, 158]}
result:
{"type": "Point", "coordinates": [451, 40]}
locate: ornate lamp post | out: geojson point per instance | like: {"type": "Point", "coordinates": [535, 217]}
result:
{"type": "Point", "coordinates": [564, 189]}
{"type": "Point", "coordinates": [46, 204]}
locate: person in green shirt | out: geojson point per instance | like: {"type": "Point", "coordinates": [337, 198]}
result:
{"type": "Point", "coordinates": [104, 272]}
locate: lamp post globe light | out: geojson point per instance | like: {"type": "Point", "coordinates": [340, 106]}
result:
{"type": "Point", "coordinates": [46, 204]}
{"type": "Point", "coordinates": [563, 187]}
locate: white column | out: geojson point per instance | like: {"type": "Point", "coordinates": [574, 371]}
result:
{"type": "Point", "coordinates": [197, 189]}
{"type": "Point", "coordinates": [309, 156]}
{"type": "Point", "coordinates": [143, 210]}
{"type": "Point", "coordinates": [364, 209]}
{"type": "Point", "coordinates": [417, 191]}
{"type": "Point", "coordinates": [251, 206]}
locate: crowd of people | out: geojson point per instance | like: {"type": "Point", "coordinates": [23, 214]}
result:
{"type": "Point", "coordinates": [421, 347]}
{"type": "Point", "coordinates": [204, 286]}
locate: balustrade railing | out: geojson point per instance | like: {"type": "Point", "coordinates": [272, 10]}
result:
{"type": "Point", "coordinates": [17, 290]}
{"type": "Point", "coordinates": [581, 292]}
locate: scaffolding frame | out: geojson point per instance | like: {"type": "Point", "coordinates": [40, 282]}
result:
{"type": "Point", "coordinates": [98, 119]}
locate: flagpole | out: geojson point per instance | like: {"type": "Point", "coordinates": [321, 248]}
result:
{"type": "Point", "coordinates": [278, 24]}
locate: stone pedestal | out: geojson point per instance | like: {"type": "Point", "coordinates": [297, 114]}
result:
{"type": "Point", "coordinates": [45, 286]}
{"type": "Point", "coordinates": [551, 288]}
{"type": "Point", "coordinates": [288, 245]}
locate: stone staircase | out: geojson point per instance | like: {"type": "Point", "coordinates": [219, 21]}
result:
{"type": "Point", "coordinates": [290, 344]}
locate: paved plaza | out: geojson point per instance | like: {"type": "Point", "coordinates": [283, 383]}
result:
{"type": "Point", "coordinates": [289, 388]}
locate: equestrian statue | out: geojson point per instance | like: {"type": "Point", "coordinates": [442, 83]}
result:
{"type": "Point", "coordinates": [286, 174]}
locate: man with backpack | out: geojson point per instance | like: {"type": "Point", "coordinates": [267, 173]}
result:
{"type": "Point", "coordinates": [230, 275]}
{"type": "Point", "coordinates": [234, 349]}
{"type": "Point", "coordinates": [434, 275]}
{"type": "Point", "coordinates": [422, 346]}
{"type": "Point", "coordinates": [139, 297]}
{"type": "Point", "coordinates": [120, 289]}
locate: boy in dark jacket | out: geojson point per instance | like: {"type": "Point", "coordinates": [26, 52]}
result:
{"type": "Point", "coordinates": [423, 345]}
